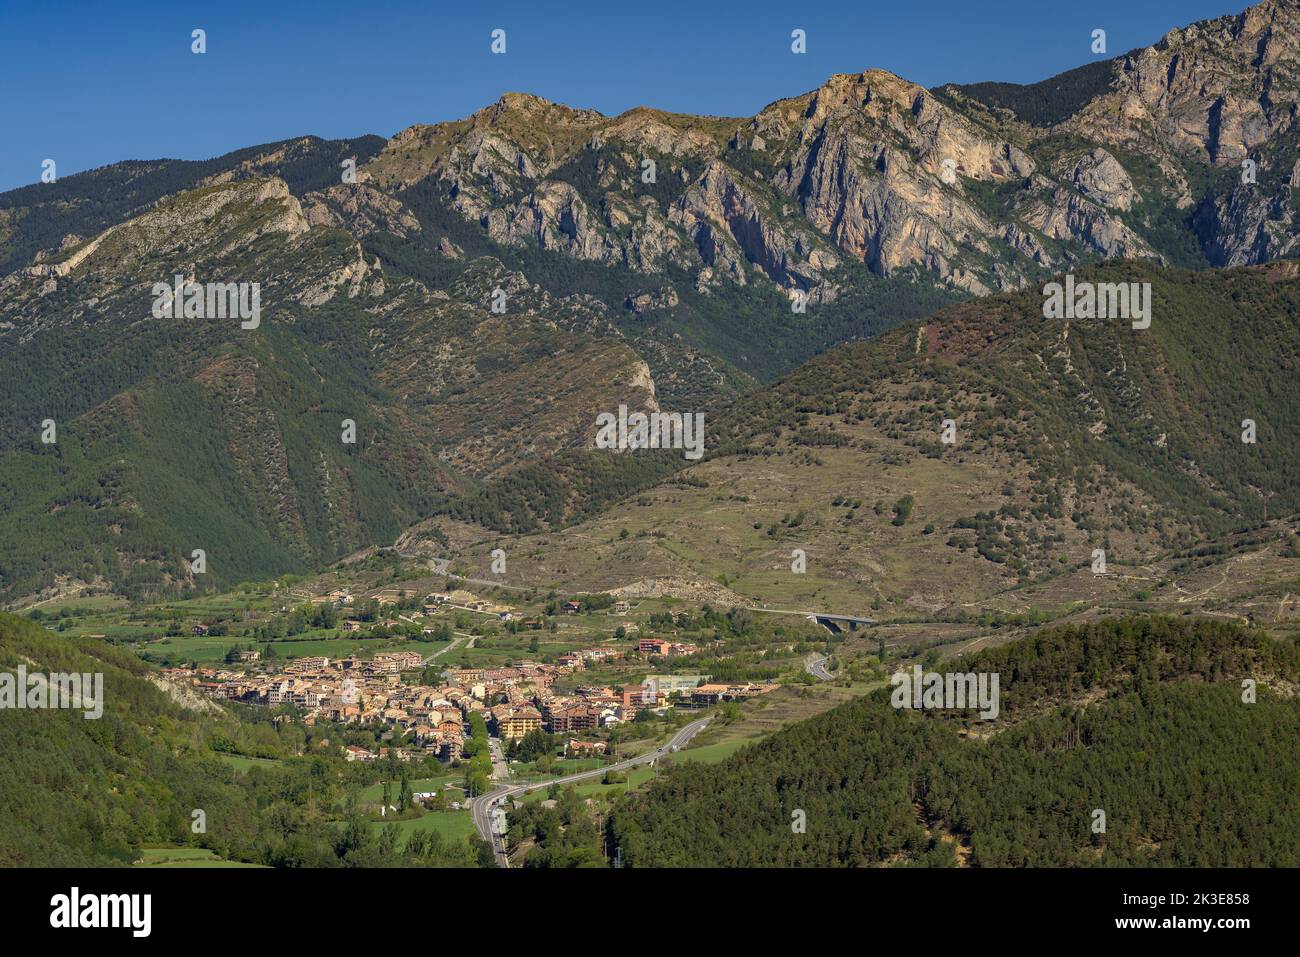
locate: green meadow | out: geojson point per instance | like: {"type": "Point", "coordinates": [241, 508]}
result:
{"type": "Point", "coordinates": [184, 857]}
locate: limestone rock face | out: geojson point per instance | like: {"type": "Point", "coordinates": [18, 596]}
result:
{"type": "Point", "coordinates": [1099, 176]}
{"type": "Point", "coordinates": [1224, 92]}
{"type": "Point", "coordinates": [878, 165]}
{"type": "Point", "coordinates": [362, 209]}
{"type": "Point", "coordinates": [867, 171]}
{"type": "Point", "coordinates": [867, 168]}
{"type": "Point", "coordinates": [717, 212]}
{"type": "Point", "coordinates": [1064, 214]}
{"type": "Point", "coordinates": [1248, 226]}
{"type": "Point", "coordinates": [1220, 88]}
{"type": "Point", "coordinates": [555, 217]}
{"type": "Point", "coordinates": [351, 274]}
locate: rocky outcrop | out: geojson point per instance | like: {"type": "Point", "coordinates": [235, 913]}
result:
{"type": "Point", "coordinates": [718, 211]}
{"type": "Point", "coordinates": [1219, 89]}
{"type": "Point", "coordinates": [361, 209]}
{"type": "Point", "coordinates": [217, 220]}
{"type": "Point", "coordinates": [553, 216]}
{"type": "Point", "coordinates": [1064, 214]}
{"type": "Point", "coordinates": [651, 132]}
{"type": "Point", "coordinates": [556, 218]}
{"type": "Point", "coordinates": [352, 274]}
{"type": "Point", "coordinates": [449, 250]}
{"type": "Point", "coordinates": [182, 694]}
{"type": "Point", "coordinates": [878, 165]}
{"type": "Point", "coordinates": [1101, 178]}
{"type": "Point", "coordinates": [880, 208]}
{"type": "Point", "coordinates": [74, 259]}
{"type": "Point", "coordinates": [655, 299]}
{"type": "Point", "coordinates": [1247, 226]}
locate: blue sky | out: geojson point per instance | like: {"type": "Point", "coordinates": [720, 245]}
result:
{"type": "Point", "coordinates": [93, 83]}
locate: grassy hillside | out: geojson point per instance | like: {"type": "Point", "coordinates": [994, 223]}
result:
{"type": "Point", "coordinates": [1085, 402]}
{"type": "Point", "coordinates": [1070, 436]}
{"type": "Point", "coordinates": [1150, 406]}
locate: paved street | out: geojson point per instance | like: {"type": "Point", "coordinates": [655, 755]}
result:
{"type": "Point", "coordinates": [481, 807]}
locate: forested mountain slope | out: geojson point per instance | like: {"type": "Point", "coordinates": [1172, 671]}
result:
{"type": "Point", "coordinates": [172, 434]}
{"type": "Point", "coordinates": [1143, 719]}
{"type": "Point", "coordinates": [1091, 465]}
{"type": "Point", "coordinates": [78, 792]}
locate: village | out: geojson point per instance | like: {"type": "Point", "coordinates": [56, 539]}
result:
{"type": "Point", "coordinates": [437, 708]}
{"type": "Point", "coordinates": [391, 691]}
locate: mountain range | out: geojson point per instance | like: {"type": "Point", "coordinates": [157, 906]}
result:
{"type": "Point", "coordinates": [831, 278]}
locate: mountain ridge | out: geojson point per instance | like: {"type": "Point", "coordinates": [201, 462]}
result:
{"type": "Point", "coordinates": [659, 260]}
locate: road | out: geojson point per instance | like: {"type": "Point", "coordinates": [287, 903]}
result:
{"type": "Point", "coordinates": [459, 637]}
{"type": "Point", "coordinates": [816, 665]}
{"type": "Point", "coordinates": [481, 807]}
{"type": "Point", "coordinates": [442, 651]}
{"type": "Point", "coordinates": [500, 770]}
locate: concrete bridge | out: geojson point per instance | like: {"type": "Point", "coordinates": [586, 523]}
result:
{"type": "Point", "coordinates": [832, 623]}
{"type": "Point", "coordinates": [838, 623]}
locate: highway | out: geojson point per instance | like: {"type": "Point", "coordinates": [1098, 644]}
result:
{"type": "Point", "coordinates": [816, 666]}
{"type": "Point", "coordinates": [831, 622]}
{"type": "Point", "coordinates": [481, 807]}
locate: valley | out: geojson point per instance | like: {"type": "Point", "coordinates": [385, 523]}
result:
{"type": "Point", "coordinates": [334, 458]}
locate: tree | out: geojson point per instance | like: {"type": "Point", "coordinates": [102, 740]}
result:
{"type": "Point", "coordinates": [405, 799]}
{"type": "Point", "coordinates": [902, 509]}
